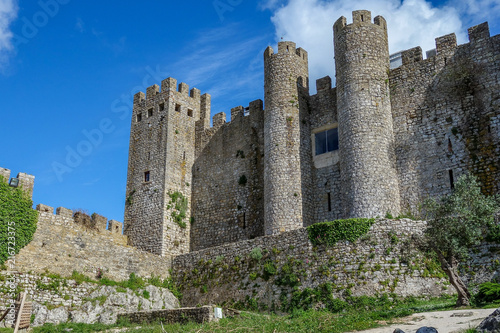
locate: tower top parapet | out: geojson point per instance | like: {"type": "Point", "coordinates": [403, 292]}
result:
{"type": "Point", "coordinates": [360, 17]}
{"type": "Point", "coordinates": [286, 47]}
{"type": "Point", "coordinates": [169, 84]}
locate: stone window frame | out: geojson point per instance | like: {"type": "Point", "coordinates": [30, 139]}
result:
{"type": "Point", "coordinates": [150, 112]}
{"type": "Point", "coordinates": [326, 159]}
{"type": "Point", "coordinates": [321, 130]}
{"type": "Point", "coordinates": [147, 176]}
{"type": "Point", "coordinates": [138, 117]}
{"type": "Point", "coordinates": [161, 107]}
{"type": "Point", "coordinates": [190, 112]}
{"type": "Point", "coordinates": [177, 107]}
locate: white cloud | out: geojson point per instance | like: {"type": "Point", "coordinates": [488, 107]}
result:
{"type": "Point", "coordinates": [8, 13]}
{"type": "Point", "coordinates": [477, 11]}
{"type": "Point", "coordinates": [410, 23]}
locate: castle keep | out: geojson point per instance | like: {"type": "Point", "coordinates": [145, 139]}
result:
{"type": "Point", "coordinates": [381, 141]}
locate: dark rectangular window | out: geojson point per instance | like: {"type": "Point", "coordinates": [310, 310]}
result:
{"type": "Point", "coordinates": [150, 112]}
{"type": "Point", "coordinates": [329, 202]}
{"type": "Point", "coordinates": [327, 141]}
{"type": "Point", "coordinates": [139, 117]}
{"type": "Point", "coordinates": [452, 181]}
{"type": "Point", "coordinates": [162, 106]}
{"type": "Point", "coordinates": [178, 107]}
{"type": "Point", "coordinates": [146, 176]}
{"type": "Point", "coordinates": [190, 112]}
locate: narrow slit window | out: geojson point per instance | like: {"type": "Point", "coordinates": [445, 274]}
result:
{"type": "Point", "coordinates": [139, 117]}
{"type": "Point", "coordinates": [178, 107]}
{"type": "Point", "coordinates": [452, 181]}
{"type": "Point", "coordinates": [162, 106]}
{"type": "Point", "coordinates": [190, 112]}
{"type": "Point", "coordinates": [150, 112]}
{"type": "Point", "coordinates": [329, 202]}
{"type": "Point", "coordinates": [244, 220]}
{"type": "Point", "coordinates": [147, 176]}
{"type": "Point", "coordinates": [184, 156]}
{"type": "Point", "coordinates": [362, 18]}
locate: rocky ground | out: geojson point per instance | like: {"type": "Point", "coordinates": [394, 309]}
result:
{"type": "Point", "coordinates": [105, 303]}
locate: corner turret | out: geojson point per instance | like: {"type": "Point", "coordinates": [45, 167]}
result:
{"type": "Point", "coordinates": [286, 89]}
{"type": "Point", "coordinates": [366, 140]}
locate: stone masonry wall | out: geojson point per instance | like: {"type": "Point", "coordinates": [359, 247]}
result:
{"type": "Point", "coordinates": [446, 114]}
{"type": "Point", "coordinates": [161, 156]}
{"type": "Point", "coordinates": [228, 198]}
{"type": "Point", "coordinates": [200, 315]}
{"type": "Point", "coordinates": [326, 176]}
{"type": "Point", "coordinates": [368, 175]}
{"type": "Point", "coordinates": [286, 178]}
{"type": "Point", "coordinates": [382, 261]}
{"type": "Point", "coordinates": [61, 246]}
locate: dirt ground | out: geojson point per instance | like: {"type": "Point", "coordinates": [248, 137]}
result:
{"type": "Point", "coordinates": [443, 321]}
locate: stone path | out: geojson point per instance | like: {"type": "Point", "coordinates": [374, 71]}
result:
{"type": "Point", "coordinates": [443, 321]}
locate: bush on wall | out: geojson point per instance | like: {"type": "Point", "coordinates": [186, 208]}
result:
{"type": "Point", "coordinates": [329, 233]}
{"type": "Point", "coordinates": [17, 219]}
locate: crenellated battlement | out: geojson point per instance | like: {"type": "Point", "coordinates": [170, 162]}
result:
{"type": "Point", "coordinates": [360, 17]}
{"type": "Point", "coordinates": [168, 85]}
{"type": "Point", "coordinates": [68, 218]}
{"type": "Point", "coordinates": [447, 45]}
{"type": "Point", "coordinates": [324, 83]}
{"type": "Point", "coordinates": [286, 48]}
{"type": "Point", "coordinates": [479, 32]}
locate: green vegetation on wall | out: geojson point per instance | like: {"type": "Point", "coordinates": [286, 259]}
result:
{"type": "Point", "coordinates": [329, 233]}
{"type": "Point", "coordinates": [179, 203]}
{"type": "Point", "coordinates": [17, 220]}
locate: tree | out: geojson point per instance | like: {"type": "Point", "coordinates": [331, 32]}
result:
{"type": "Point", "coordinates": [456, 223]}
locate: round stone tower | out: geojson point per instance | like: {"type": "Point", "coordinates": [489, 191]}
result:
{"type": "Point", "coordinates": [366, 139]}
{"type": "Point", "coordinates": [286, 88]}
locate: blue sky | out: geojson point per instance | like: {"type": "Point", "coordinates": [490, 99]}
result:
{"type": "Point", "coordinates": [69, 69]}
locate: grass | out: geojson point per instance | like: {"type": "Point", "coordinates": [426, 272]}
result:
{"type": "Point", "coordinates": [298, 321]}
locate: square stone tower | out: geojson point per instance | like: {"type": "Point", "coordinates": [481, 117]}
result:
{"type": "Point", "coordinates": [161, 155]}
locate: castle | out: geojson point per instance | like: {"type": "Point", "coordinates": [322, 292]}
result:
{"type": "Point", "coordinates": [379, 142]}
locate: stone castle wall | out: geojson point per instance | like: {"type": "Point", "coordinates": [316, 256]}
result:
{"type": "Point", "coordinates": [326, 192]}
{"type": "Point", "coordinates": [404, 134]}
{"type": "Point", "coordinates": [63, 243]}
{"type": "Point", "coordinates": [446, 115]}
{"type": "Point", "coordinates": [228, 196]}
{"type": "Point", "coordinates": [161, 156]}
{"type": "Point", "coordinates": [382, 261]}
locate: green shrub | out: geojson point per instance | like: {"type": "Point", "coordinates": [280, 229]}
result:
{"type": "Point", "coordinates": [329, 233]}
{"type": "Point", "coordinates": [180, 205]}
{"type": "Point", "coordinates": [488, 292]}
{"type": "Point", "coordinates": [79, 277]}
{"type": "Point", "coordinates": [256, 253]}
{"type": "Point", "coordinates": [493, 234]}
{"type": "Point", "coordinates": [17, 220]}
{"type": "Point", "coordinates": [269, 269]}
